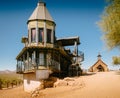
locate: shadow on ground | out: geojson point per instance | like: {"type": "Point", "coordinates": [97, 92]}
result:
{"type": "Point", "coordinates": [88, 74]}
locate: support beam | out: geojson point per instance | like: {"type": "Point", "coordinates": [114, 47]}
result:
{"type": "Point", "coordinates": [45, 35]}
{"type": "Point", "coordinates": [52, 36]}
{"type": "Point", "coordinates": [17, 66]}
{"type": "Point", "coordinates": [20, 64]}
{"type": "Point", "coordinates": [37, 32]}
{"type": "Point", "coordinates": [29, 35]}
{"type": "Point", "coordinates": [34, 56]}
{"type": "Point", "coordinates": [27, 60]}
{"type": "Point", "coordinates": [59, 62]}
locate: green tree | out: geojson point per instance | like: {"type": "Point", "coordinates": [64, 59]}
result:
{"type": "Point", "coordinates": [110, 25]}
{"type": "Point", "coordinates": [116, 60]}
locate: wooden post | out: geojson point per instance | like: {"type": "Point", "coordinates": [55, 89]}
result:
{"type": "Point", "coordinates": [27, 60]}
{"type": "Point", "coordinates": [37, 32]}
{"type": "Point", "coordinates": [45, 36]}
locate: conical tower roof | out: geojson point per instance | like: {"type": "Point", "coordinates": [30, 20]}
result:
{"type": "Point", "coordinates": [41, 13]}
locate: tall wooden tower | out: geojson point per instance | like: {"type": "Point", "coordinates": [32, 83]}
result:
{"type": "Point", "coordinates": [43, 54]}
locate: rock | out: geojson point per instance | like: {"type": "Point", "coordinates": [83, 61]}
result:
{"type": "Point", "coordinates": [41, 85]}
{"type": "Point", "coordinates": [69, 82]}
{"type": "Point", "coordinates": [60, 83]}
{"type": "Point", "coordinates": [35, 93]}
{"type": "Point", "coordinates": [69, 79]}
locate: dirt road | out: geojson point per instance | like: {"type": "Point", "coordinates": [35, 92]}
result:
{"type": "Point", "coordinates": [100, 85]}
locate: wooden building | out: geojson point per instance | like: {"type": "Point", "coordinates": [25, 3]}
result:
{"type": "Point", "coordinates": [43, 54]}
{"type": "Point", "coordinates": [99, 66]}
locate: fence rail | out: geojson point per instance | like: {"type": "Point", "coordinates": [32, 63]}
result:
{"type": "Point", "coordinates": [30, 66]}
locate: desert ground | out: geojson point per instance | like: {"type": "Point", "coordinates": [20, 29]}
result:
{"type": "Point", "coordinates": [98, 85]}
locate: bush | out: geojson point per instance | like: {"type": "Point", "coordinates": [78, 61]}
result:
{"type": "Point", "coordinates": [7, 81]}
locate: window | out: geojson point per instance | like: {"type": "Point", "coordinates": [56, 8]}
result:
{"type": "Point", "coordinates": [48, 35]}
{"type": "Point", "coordinates": [33, 35]}
{"type": "Point", "coordinates": [41, 35]}
{"type": "Point", "coordinates": [41, 58]}
{"type": "Point", "coordinates": [33, 58]}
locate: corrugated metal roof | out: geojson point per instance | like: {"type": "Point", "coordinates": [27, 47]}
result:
{"type": "Point", "coordinates": [41, 13]}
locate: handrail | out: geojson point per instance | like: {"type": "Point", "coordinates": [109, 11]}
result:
{"type": "Point", "coordinates": [36, 64]}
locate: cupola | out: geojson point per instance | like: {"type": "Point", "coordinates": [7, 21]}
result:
{"type": "Point", "coordinates": [99, 56]}
{"type": "Point", "coordinates": [41, 27]}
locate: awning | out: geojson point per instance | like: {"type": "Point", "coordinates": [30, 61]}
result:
{"type": "Point", "coordinates": [69, 41]}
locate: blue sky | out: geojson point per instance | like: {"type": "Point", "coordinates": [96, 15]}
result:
{"type": "Point", "coordinates": [72, 17]}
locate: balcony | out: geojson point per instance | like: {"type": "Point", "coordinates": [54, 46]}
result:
{"type": "Point", "coordinates": [37, 64]}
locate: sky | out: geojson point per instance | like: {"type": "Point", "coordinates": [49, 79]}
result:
{"type": "Point", "coordinates": [72, 18]}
